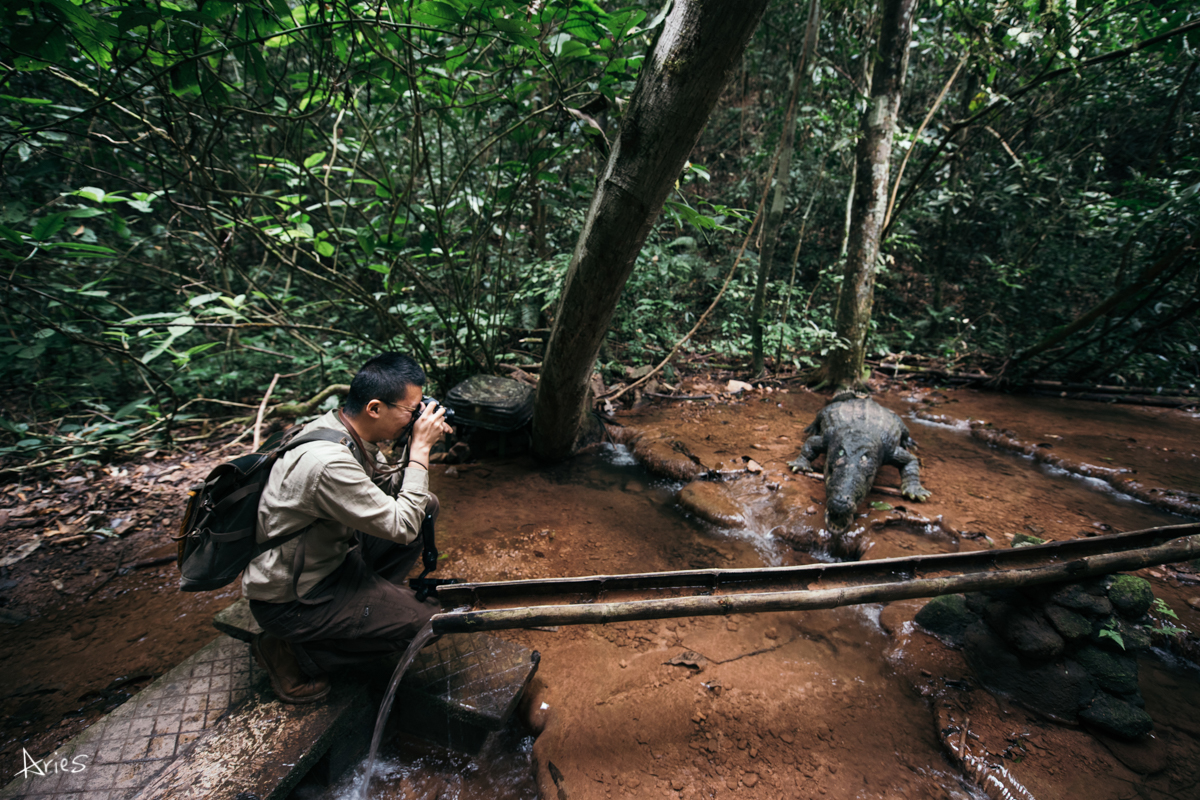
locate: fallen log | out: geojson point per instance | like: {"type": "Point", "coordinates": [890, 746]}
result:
{"type": "Point", "coordinates": [880, 581]}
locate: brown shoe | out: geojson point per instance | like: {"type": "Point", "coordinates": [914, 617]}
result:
{"type": "Point", "coordinates": [290, 683]}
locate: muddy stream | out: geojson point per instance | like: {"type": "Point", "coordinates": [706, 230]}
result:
{"type": "Point", "coordinates": [853, 702]}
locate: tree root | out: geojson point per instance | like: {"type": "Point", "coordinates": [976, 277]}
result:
{"type": "Point", "coordinates": [300, 409]}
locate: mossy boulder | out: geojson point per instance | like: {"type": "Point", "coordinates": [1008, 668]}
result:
{"type": "Point", "coordinates": [1078, 598]}
{"type": "Point", "coordinates": [947, 618]}
{"type": "Point", "coordinates": [1131, 596]}
{"type": "Point", "coordinates": [1058, 689]}
{"type": "Point", "coordinates": [1115, 716]}
{"type": "Point", "coordinates": [1033, 637]}
{"type": "Point", "coordinates": [1114, 672]}
{"type": "Point", "coordinates": [1070, 626]}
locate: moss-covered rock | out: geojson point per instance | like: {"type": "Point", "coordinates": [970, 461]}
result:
{"type": "Point", "coordinates": [1033, 637]}
{"type": "Point", "coordinates": [1070, 626]}
{"type": "Point", "coordinates": [1117, 717]}
{"type": "Point", "coordinates": [1058, 689]}
{"type": "Point", "coordinates": [1114, 672]}
{"type": "Point", "coordinates": [1131, 596]}
{"type": "Point", "coordinates": [1078, 598]}
{"type": "Point", "coordinates": [976, 601]}
{"type": "Point", "coordinates": [947, 618]}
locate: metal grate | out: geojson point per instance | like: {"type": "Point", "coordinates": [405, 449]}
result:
{"type": "Point", "coordinates": [121, 753]}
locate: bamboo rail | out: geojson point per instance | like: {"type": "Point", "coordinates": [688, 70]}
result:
{"type": "Point", "coordinates": [580, 601]}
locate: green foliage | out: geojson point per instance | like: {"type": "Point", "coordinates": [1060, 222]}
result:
{"type": "Point", "coordinates": [198, 195]}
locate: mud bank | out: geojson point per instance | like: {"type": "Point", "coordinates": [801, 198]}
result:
{"type": "Point", "coordinates": [855, 702]}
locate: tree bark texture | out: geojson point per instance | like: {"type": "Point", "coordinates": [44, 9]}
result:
{"type": "Point", "coordinates": [783, 175]}
{"type": "Point", "coordinates": [677, 89]}
{"type": "Point", "coordinates": [844, 366]}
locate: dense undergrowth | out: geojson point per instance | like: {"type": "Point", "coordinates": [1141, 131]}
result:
{"type": "Point", "coordinates": [199, 197]}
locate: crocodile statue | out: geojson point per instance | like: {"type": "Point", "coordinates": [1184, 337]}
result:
{"type": "Point", "coordinates": [858, 436]}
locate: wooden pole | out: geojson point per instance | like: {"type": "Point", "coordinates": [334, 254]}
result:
{"type": "Point", "coordinates": [1179, 548]}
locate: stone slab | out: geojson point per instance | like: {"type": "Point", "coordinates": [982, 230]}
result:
{"type": "Point", "coordinates": [237, 621]}
{"type": "Point", "coordinates": [263, 748]}
{"type": "Point", "coordinates": [123, 752]}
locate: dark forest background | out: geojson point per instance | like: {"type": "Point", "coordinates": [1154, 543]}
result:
{"type": "Point", "coordinates": [198, 197]}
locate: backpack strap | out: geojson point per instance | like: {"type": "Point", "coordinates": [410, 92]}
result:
{"type": "Point", "coordinates": [319, 435]}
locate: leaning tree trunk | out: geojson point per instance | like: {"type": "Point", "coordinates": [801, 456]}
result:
{"type": "Point", "coordinates": [783, 173]}
{"type": "Point", "coordinates": [677, 89]}
{"type": "Point", "coordinates": [844, 367]}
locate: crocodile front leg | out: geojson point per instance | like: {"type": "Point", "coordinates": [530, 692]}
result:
{"type": "Point", "coordinates": [812, 447]}
{"type": "Point", "coordinates": [910, 475]}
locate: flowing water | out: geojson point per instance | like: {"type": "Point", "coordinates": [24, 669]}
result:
{"type": "Point", "coordinates": [385, 708]}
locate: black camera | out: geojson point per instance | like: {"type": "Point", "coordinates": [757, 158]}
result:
{"type": "Point", "coordinates": [426, 400]}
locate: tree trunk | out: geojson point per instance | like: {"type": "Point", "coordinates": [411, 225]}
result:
{"type": "Point", "coordinates": [677, 89]}
{"type": "Point", "coordinates": [844, 367]}
{"type": "Point", "coordinates": [783, 174]}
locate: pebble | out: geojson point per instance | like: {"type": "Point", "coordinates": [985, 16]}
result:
{"type": "Point", "coordinates": [82, 629]}
{"type": "Point", "coordinates": [750, 778]}
{"type": "Point", "coordinates": [731, 626]}
{"type": "Point", "coordinates": [1194, 603]}
{"type": "Point", "coordinates": [772, 633]}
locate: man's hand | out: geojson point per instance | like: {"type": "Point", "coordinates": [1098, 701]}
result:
{"type": "Point", "coordinates": [428, 430]}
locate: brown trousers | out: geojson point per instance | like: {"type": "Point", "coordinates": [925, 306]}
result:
{"type": "Point", "coordinates": [371, 613]}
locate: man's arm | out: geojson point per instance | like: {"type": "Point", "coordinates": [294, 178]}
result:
{"type": "Point", "coordinates": [345, 494]}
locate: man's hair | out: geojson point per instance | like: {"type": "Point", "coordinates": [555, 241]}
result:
{"type": "Point", "coordinates": [385, 377]}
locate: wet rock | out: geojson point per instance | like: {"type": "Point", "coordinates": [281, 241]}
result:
{"type": "Point", "coordinates": [1070, 626]}
{"type": "Point", "coordinates": [1131, 595]}
{"type": "Point", "coordinates": [1120, 636]}
{"type": "Point", "coordinates": [1033, 636]}
{"type": "Point", "coordinates": [1113, 672]}
{"type": "Point", "coordinates": [998, 613]}
{"type": "Point", "coordinates": [1078, 598]}
{"type": "Point", "coordinates": [977, 601]}
{"type": "Point", "coordinates": [664, 457]}
{"type": "Point", "coordinates": [1117, 717]}
{"type": "Point", "coordinates": [1058, 689]}
{"type": "Point", "coordinates": [712, 502]}
{"type": "Point", "coordinates": [947, 617]}
{"type": "Point", "coordinates": [1145, 756]}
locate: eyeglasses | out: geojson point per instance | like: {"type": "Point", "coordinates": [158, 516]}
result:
{"type": "Point", "coordinates": [402, 408]}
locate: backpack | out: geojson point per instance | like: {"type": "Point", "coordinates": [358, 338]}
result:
{"type": "Point", "coordinates": [216, 537]}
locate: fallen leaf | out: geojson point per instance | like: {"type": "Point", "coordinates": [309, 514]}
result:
{"type": "Point", "coordinates": [21, 552]}
{"type": "Point", "coordinates": [691, 659]}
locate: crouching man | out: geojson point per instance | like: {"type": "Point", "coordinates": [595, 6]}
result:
{"type": "Point", "coordinates": [336, 595]}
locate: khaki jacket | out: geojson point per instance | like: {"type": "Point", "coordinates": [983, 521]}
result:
{"type": "Point", "coordinates": [323, 484]}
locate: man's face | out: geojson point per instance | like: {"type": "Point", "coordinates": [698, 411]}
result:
{"type": "Point", "coordinates": [394, 417]}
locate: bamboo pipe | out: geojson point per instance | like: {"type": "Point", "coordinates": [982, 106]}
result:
{"type": "Point", "coordinates": [465, 620]}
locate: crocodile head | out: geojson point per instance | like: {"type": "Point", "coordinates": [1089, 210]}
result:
{"type": "Point", "coordinates": [848, 479]}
